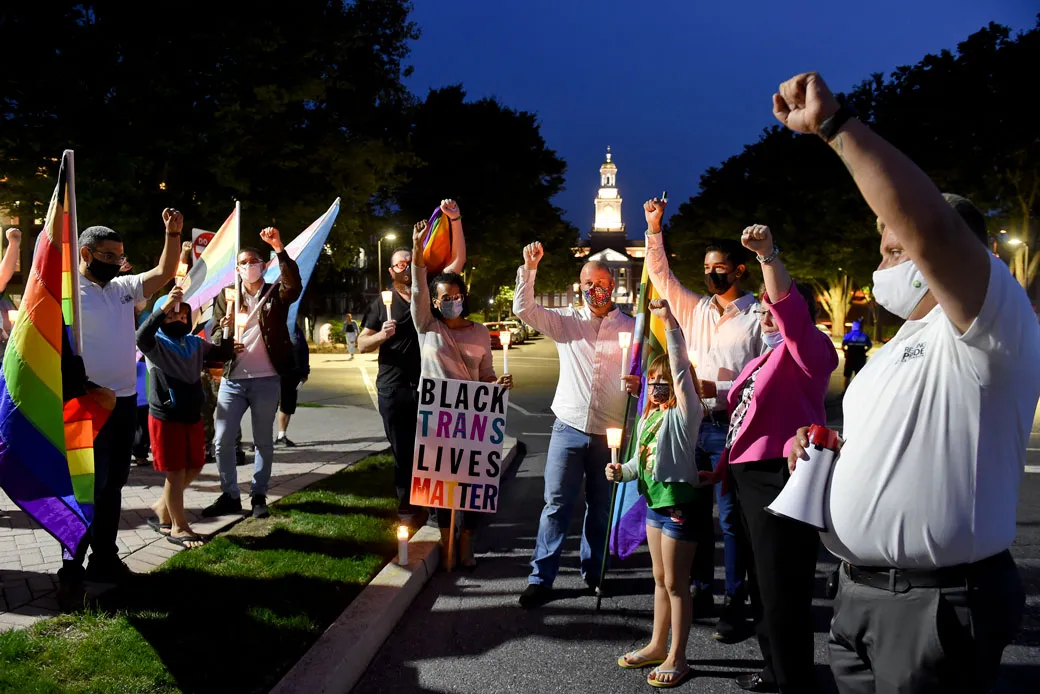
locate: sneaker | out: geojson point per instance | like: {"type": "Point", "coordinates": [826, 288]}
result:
{"type": "Point", "coordinates": [260, 506]}
{"type": "Point", "coordinates": [285, 441]}
{"type": "Point", "coordinates": [111, 571]}
{"type": "Point", "coordinates": [224, 505]}
{"type": "Point", "coordinates": [733, 626]}
{"type": "Point", "coordinates": [535, 595]}
{"type": "Point", "coordinates": [591, 584]}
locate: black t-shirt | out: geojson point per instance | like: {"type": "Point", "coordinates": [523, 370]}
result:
{"type": "Point", "coordinates": [399, 356]}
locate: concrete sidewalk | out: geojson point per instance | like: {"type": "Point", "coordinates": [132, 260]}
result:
{"type": "Point", "coordinates": [328, 440]}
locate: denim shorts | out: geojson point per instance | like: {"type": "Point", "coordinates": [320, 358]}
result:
{"type": "Point", "coordinates": [676, 522]}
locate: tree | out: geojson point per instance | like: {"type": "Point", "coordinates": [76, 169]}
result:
{"type": "Point", "coordinates": [493, 160]}
{"type": "Point", "coordinates": [215, 102]}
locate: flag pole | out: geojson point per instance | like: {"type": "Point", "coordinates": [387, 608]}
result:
{"type": "Point", "coordinates": [238, 281]}
{"type": "Point", "coordinates": [70, 182]}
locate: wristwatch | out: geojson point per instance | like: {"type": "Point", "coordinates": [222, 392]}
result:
{"type": "Point", "coordinates": [830, 126]}
{"type": "Point", "coordinates": [766, 259]}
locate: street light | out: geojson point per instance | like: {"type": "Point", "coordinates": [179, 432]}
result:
{"type": "Point", "coordinates": [389, 236]}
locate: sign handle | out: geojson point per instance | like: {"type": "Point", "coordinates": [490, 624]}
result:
{"type": "Point", "coordinates": [451, 543]}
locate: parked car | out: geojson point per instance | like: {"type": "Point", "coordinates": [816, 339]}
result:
{"type": "Point", "coordinates": [520, 328]}
{"type": "Point", "coordinates": [496, 328]}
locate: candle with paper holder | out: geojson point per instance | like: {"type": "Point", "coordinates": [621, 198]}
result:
{"type": "Point", "coordinates": [624, 339]}
{"type": "Point", "coordinates": [402, 545]}
{"type": "Point", "coordinates": [229, 299]}
{"type": "Point", "coordinates": [505, 337]}
{"type": "Point", "coordinates": [182, 272]}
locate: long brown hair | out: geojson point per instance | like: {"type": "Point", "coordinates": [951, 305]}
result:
{"type": "Point", "coordinates": [660, 366]}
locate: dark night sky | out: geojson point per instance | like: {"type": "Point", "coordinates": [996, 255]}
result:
{"type": "Point", "coordinates": [674, 86]}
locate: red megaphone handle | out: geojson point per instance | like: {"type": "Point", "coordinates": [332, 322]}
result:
{"type": "Point", "coordinates": [824, 437]}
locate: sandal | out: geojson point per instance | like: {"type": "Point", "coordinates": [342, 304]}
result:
{"type": "Point", "coordinates": [677, 677]}
{"type": "Point", "coordinates": [633, 661]}
{"type": "Point", "coordinates": [161, 528]}
{"type": "Point", "coordinates": [183, 540]}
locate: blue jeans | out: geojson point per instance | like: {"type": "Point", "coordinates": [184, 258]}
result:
{"type": "Point", "coordinates": [711, 442]}
{"type": "Point", "coordinates": [260, 396]}
{"type": "Point", "coordinates": [572, 455]}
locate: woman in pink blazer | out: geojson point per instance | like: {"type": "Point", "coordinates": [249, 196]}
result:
{"type": "Point", "coordinates": [774, 395]}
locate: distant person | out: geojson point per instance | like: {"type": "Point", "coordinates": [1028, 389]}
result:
{"type": "Point", "coordinates": [291, 383]}
{"type": "Point", "coordinates": [588, 400]}
{"type": "Point", "coordinates": [350, 333]}
{"type": "Point", "coordinates": [108, 339]}
{"type": "Point", "coordinates": [252, 377]}
{"type": "Point", "coordinates": [922, 502]}
{"type": "Point", "coordinates": [664, 464]}
{"type": "Point", "coordinates": [393, 334]}
{"type": "Point", "coordinates": [855, 344]}
{"type": "Point", "coordinates": [723, 333]}
{"type": "Point", "coordinates": [451, 347]}
{"type": "Point", "coordinates": [175, 360]}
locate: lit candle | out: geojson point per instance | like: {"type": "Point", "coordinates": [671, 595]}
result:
{"type": "Point", "coordinates": [505, 337]}
{"type": "Point", "coordinates": [624, 340]}
{"type": "Point", "coordinates": [229, 297]}
{"type": "Point", "coordinates": [182, 271]}
{"type": "Point", "coordinates": [614, 443]}
{"type": "Point", "coordinates": [240, 324]}
{"type": "Point", "coordinates": [388, 298]}
{"type": "Point", "coordinates": [12, 315]}
{"type": "Point", "coordinates": [402, 545]}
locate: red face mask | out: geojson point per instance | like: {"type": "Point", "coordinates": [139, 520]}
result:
{"type": "Point", "coordinates": [597, 296]}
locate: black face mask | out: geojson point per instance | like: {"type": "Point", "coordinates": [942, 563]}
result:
{"type": "Point", "coordinates": [175, 331]}
{"type": "Point", "coordinates": [717, 283]}
{"type": "Point", "coordinates": [101, 271]}
{"type": "Point", "coordinates": [660, 392]}
{"type": "Point", "coordinates": [404, 277]}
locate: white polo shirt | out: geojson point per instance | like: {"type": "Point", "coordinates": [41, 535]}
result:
{"type": "Point", "coordinates": [109, 335]}
{"type": "Point", "coordinates": [936, 427]}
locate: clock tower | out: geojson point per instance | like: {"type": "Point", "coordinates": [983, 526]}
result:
{"type": "Point", "coordinates": [608, 200]}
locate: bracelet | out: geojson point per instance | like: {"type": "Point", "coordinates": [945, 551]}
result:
{"type": "Point", "coordinates": [455, 219]}
{"type": "Point", "coordinates": [175, 233]}
{"type": "Point", "coordinates": [832, 124]}
{"type": "Point", "coordinates": [766, 259]}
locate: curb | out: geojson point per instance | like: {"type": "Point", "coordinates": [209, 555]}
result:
{"type": "Point", "coordinates": [339, 658]}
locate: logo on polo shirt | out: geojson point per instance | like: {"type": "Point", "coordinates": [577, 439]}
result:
{"type": "Point", "coordinates": [126, 299]}
{"type": "Point", "coordinates": [913, 352]}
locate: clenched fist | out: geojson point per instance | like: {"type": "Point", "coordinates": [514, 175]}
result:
{"type": "Point", "coordinates": [533, 254]}
{"type": "Point", "coordinates": [451, 209]}
{"type": "Point", "coordinates": [758, 239]}
{"type": "Point", "coordinates": [14, 236]}
{"type": "Point", "coordinates": [173, 220]}
{"type": "Point", "coordinates": [654, 211]}
{"type": "Point", "coordinates": [804, 102]}
{"type": "Point", "coordinates": [273, 238]}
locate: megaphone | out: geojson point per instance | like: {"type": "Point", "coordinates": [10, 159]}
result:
{"type": "Point", "coordinates": [804, 497]}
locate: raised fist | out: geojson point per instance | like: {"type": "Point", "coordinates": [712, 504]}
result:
{"type": "Point", "coordinates": [804, 102]}
{"type": "Point", "coordinates": [174, 298]}
{"type": "Point", "coordinates": [659, 307]}
{"type": "Point", "coordinates": [758, 239]}
{"type": "Point", "coordinates": [186, 247]}
{"type": "Point", "coordinates": [451, 209]}
{"type": "Point", "coordinates": [419, 233]}
{"type": "Point", "coordinates": [173, 220]}
{"type": "Point", "coordinates": [533, 253]}
{"type": "Point", "coordinates": [273, 238]}
{"type": "Point", "coordinates": [654, 211]}
{"type": "Point", "coordinates": [14, 235]}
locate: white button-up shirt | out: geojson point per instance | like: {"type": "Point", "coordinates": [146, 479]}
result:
{"type": "Point", "coordinates": [589, 396]}
{"type": "Point", "coordinates": [721, 341]}
{"type": "Point", "coordinates": [109, 337]}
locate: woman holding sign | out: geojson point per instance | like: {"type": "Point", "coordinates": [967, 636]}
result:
{"type": "Point", "coordinates": [451, 347]}
{"type": "Point", "coordinates": [664, 465]}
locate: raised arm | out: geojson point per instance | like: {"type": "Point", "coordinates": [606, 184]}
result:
{"type": "Point", "coordinates": [155, 279]}
{"type": "Point", "coordinates": [684, 379]}
{"type": "Point", "coordinates": [7, 265]}
{"type": "Point", "coordinates": [450, 209]}
{"type": "Point", "coordinates": [146, 333]}
{"type": "Point", "coordinates": [954, 263]}
{"type": "Point", "coordinates": [422, 316]}
{"type": "Point", "coordinates": [524, 305]}
{"type": "Point", "coordinates": [681, 300]}
{"type": "Point", "coordinates": [291, 284]}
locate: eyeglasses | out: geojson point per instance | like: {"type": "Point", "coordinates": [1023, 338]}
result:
{"type": "Point", "coordinates": [401, 265]}
{"type": "Point", "coordinates": [457, 297]}
{"type": "Point", "coordinates": [247, 263]}
{"type": "Point", "coordinates": [110, 257]}
{"type": "Point", "coordinates": [762, 312]}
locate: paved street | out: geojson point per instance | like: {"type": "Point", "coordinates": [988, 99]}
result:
{"type": "Point", "coordinates": [466, 633]}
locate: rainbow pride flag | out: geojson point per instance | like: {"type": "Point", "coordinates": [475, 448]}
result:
{"type": "Point", "coordinates": [628, 522]}
{"type": "Point", "coordinates": [437, 243]}
{"type": "Point", "coordinates": [305, 249]}
{"type": "Point", "coordinates": [215, 268]}
{"type": "Point", "coordinates": [46, 441]}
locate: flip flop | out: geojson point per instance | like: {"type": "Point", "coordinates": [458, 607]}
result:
{"type": "Point", "coordinates": [185, 539]}
{"type": "Point", "coordinates": [678, 677]}
{"type": "Point", "coordinates": [633, 661]}
{"type": "Point", "coordinates": [161, 528]}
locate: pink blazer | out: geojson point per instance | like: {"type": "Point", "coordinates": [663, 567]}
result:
{"type": "Point", "coordinates": [790, 388]}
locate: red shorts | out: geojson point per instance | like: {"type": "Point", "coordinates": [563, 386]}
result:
{"type": "Point", "coordinates": [176, 445]}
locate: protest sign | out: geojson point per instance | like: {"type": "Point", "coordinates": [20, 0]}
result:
{"type": "Point", "coordinates": [458, 445]}
{"type": "Point", "coordinates": [200, 238]}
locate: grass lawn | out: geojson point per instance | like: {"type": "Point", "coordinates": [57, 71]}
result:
{"type": "Point", "coordinates": [232, 616]}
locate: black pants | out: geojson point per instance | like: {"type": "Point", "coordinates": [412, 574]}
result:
{"type": "Point", "coordinates": [142, 444]}
{"type": "Point", "coordinates": [783, 571]}
{"type": "Point", "coordinates": [399, 408]}
{"type": "Point", "coordinates": [112, 452]}
{"type": "Point", "coordinates": [470, 519]}
{"type": "Point", "coordinates": [925, 640]}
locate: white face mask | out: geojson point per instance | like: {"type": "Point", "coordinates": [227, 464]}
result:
{"type": "Point", "coordinates": [252, 272]}
{"type": "Point", "coordinates": [899, 289]}
{"type": "Point", "coordinates": [773, 339]}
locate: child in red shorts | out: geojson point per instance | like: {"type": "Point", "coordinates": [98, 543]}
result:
{"type": "Point", "coordinates": [175, 360]}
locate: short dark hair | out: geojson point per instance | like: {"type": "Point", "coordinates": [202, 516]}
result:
{"type": "Point", "coordinates": [399, 249]}
{"type": "Point", "coordinates": [250, 249]}
{"type": "Point", "coordinates": [92, 236]}
{"type": "Point", "coordinates": [971, 215]}
{"type": "Point", "coordinates": [449, 278]}
{"type": "Point", "coordinates": [732, 250]}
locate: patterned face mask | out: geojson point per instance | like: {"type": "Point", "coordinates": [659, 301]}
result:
{"type": "Point", "coordinates": [660, 392]}
{"type": "Point", "coordinates": [597, 296]}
